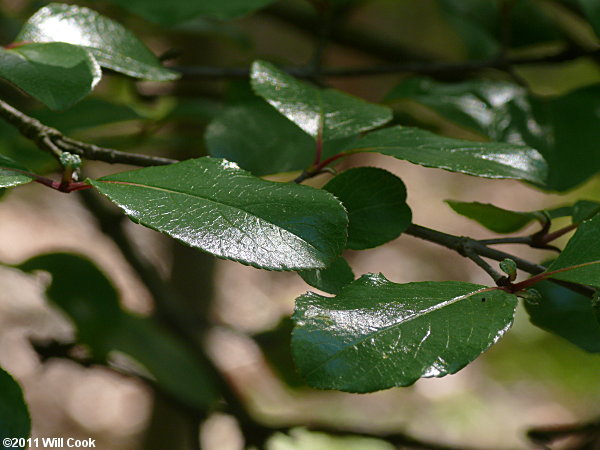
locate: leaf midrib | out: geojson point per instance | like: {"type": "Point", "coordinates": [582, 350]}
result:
{"type": "Point", "coordinates": [409, 319]}
{"type": "Point", "coordinates": [174, 191]}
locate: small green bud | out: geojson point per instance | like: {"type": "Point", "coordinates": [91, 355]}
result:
{"type": "Point", "coordinates": [509, 267]}
{"type": "Point", "coordinates": [531, 296]}
{"type": "Point", "coordinates": [70, 161]}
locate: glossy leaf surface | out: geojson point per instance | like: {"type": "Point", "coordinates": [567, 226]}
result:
{"type": "Point", "coordinates": [377, 334]}
{"type": "Point", "coordinates": [494, 218]}
{"type": "Point", "coordinates": [14, 415]}
{"type": "Point", "coordinates": [482, 159]}
{"type": "Point", "coordinates": [581, 255]}
{"type": "Point", "coordinates": [89, 299]}
{"type": "Point", "coordinates": [174, 11]}
{"type": "Point", "coordinates": [113, 46]}
{"type": "Point", "coordinates": [332, 279]}
{"type": "Point", "coordinates": [57, 74]}
{"type": "Point", "coordinates": [563, 129]}
{"type": "Point", "coordinates": [566, 314]}
{"type": "Point", "coordinates": [213, 205]}
{"type": "Point", "coordinates": [338, 114]}
{"type": "Point", "coordinates": [376, 203]}
{"type": "Point", "coordinates": [259, 139]}
{"type": "Point", "coordinates": [9, 178]}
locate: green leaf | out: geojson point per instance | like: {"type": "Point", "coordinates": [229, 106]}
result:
{"type": "Point", "coordinates": [481, 106]}
{"type": "Point", "coordinates": [90, 113]}
{"type": "Point", "coordinates": [213, 205]}
{"type": "Point", "coordinates": [338, 114]}
{"type": "Point", "coordinates": [57, 74]}
{"type": "Point", "coordinates": [563, 129]}
{"type": "Point", "coordinates": [332, 279]}
{"type": "Point", "coordinates": [113, 46]}
{"type": "Point", "coordinates": [376, 203]}
{"type": "Point", "coordinates": [498, 220]}
{"type": "Point", "coordinates": [581, 257]}
{"type": "Point", "coordinates": [88, 297]}
{"type": "Point", "coordinates": [10, 178]}
{"type": "Point", "coordinates": [473, 22]}
{"type": "Point", "coordinates": [566, 314]}
{"type": "Point", "coordinates": [477, 22]}
{"type": "Point", "coordinates": [591, 8]}
{"type": "Point", "coordinates": [259, 139]}
{"type": "Point", "coordinates": [377, 334]}
{"type": "Point", "coordinates": [585, 209]}
{"type": "Point", "coordinates": [482, 159]}
{"type": "Point", "coordinates": [14, 415]}
{"type": "Point", "coordinates": [175, 11]}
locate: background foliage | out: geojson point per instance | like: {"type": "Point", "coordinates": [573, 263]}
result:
{"type": "Point", "coordinates": [334, 118]}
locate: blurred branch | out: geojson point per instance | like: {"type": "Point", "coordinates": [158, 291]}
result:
{"type": "Point", "coordinates": [587, 435]}
{"type": "Point", "coordinates": [69, 351]}
{"type": "Point", "coordinates": [347, 36]}
{"type": "Point", "coordinates": [420, 68]}
{"type": "Point", "coordinates": [54, 142]}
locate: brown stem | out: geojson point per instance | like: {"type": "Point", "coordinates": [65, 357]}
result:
{"type": "Point", "coordinates": [558, 233]}
{"type": "Point", "coordinates": [54, 142]}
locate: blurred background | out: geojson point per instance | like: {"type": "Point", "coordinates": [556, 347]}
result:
{"type": "Point", "coordinates": [530, 378]}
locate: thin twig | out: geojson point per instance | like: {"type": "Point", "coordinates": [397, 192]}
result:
{"type": "Point", "coordinates": [499, 279]}
{"type": "Point", "coordinates": [419, 68]}
{"type": "Point", "coordinates": [508, 240]}
{"type": "Point", "coordinates": [54, 142]}
{"type": "Point", "coordinates": [459, 243]}
{"type": "Point", "coordinates": [547, 435]}
{"type": "Point", "coordinates": [558, 233]}
{"type": "Point", "coordinates": [465, 245]}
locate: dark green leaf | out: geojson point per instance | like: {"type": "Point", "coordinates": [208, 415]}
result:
{"type": "Point", "coordinates": [566, 314]}
{"type": "Point", "coordinates": [482, 106]}
{"type": "Point", "coordinates": [87, 296]}
{"type": "Point", "coordinates": [563, 129]}
{"type": "Point", "coordinates": [581, 256]}
{"type": "Point", "coordinates": [9, 178]}
{"type": "Point", "coordinates": [175, 11]}
{"type": "Point", "coordinates": [338, 114]}
{"type": "Point", "coordinates": [57, 74]}
{"type": "Point", "coordinates": [482, 159]}
{"type": "Point", "coordinates": [332, 279]}
{"type": "Point", "coordinates": [259, 139]}
{"type": "Point", "coordinates": [376, 203]}
{"type": "Point", "coordinates": [596, 306]}
{"type": "Point", "coordinates": [498, 220]}
{"type": "Point", "coordinates": [213, 205]}
{"type": "Point", "coordinates": [591, 8]}
{"type": "Point", "coordinates": [474, 21]}
{"type": "Point", "coordinates": [478, 23]}
{"type": "Point", "coordinates": [89, 113]}
{"type": "Point", "coordinates": [585, 209]}
{"type": "Point", "coordinates": [112, 45]}
{"type": "Point", "coordinates": [14, 416]}
{"type": "Point", "coordinates": [377, 334]}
